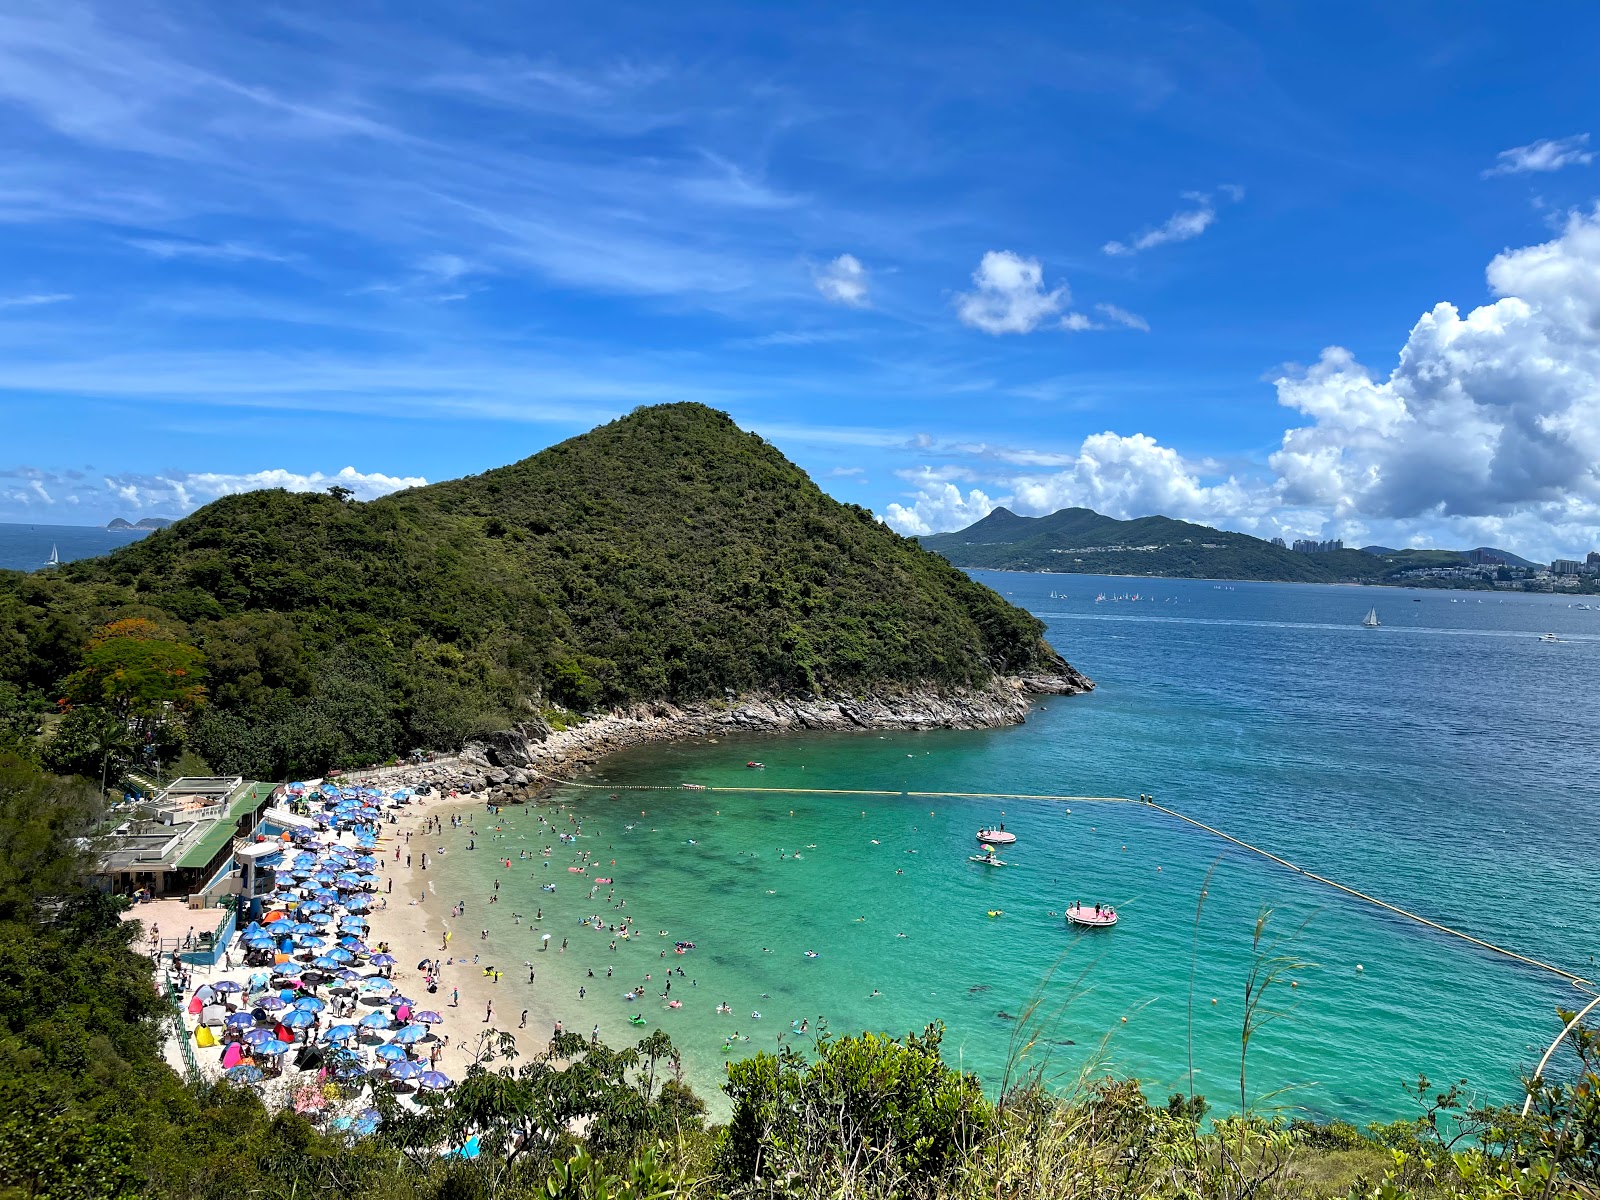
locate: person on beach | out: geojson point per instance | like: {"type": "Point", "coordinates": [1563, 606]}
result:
{"type": "Point", "coordinates": [523, 1024]}
{"type": "Point", "coordinates": [488, 1012]}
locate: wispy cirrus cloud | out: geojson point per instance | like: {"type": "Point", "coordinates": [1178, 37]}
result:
{"type": "Point", "coordinates": [1182, 226]}
{"type": "Point", "coordinates": [35, 299]}
{"type": "Point", "coordinates": [1544, 155]}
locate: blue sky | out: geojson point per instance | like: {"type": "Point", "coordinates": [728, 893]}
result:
{"type": "Point", "coordinates": [1146, 258]}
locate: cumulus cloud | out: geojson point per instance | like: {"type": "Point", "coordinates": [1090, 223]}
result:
{"type": "Point", "coordinates": [844, 281]}
{"type": "Point", "coordinates": [1009, 296]}
{"type": "Point", "coordinates": [174, 493]}
{"type": "Point", "coordinates": [1486, 432]}
{"type": "Point", "coordinates": [1181, 226]}
{"type": "Point", "coordinates": [1491, 415]}
{"type": "Point", "coordinates": [1547, 154]}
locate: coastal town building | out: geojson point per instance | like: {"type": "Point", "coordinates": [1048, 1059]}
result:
{"type": "Point", "coordinates": [181, 842]}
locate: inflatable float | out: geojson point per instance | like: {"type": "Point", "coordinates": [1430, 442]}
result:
{"type": "Point", "coordinates": [1097, 917]}
{"type": "Point", "coordinates": [1000, 836]}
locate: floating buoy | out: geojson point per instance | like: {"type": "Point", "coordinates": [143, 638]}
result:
{"type": "Point", "coordinates": [1213, 999]}
{"type": "Point", "coordinates": [1359, 967]}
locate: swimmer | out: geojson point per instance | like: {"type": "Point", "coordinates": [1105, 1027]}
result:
{"type": "Point", "coordinates": [876, 994]}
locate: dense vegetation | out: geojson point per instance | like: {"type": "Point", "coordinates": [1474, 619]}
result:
{"type": "Point", "coordinates": [1081, 541]}
{"type": "Point", "coordinates": [667, 555]}
{"type": "Point", "coordinates": [89, 1109]}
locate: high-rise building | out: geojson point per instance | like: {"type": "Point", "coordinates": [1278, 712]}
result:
{"type": "Point", "coordinates": [1566, 566]}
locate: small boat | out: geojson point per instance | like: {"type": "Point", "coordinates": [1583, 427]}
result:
{"type": "Point", "coordinates": [997, 837]}
{"type": "Point", "coordinates": [756, 766]}
{"type": "Point", "coordinates": [988, 860]}
{"type": "Point", "coordinates": [694, 787]}
{"type": "Point", "coordinates": [1548, 637]}
{"type": "Point", "coordinates": [1371, 619]}
{"type": "Point", "coordinates": [54, 560]}
{"type": "Point", "coordinates": [1097, 917]}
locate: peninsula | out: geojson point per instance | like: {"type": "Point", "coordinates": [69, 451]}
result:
{"type": "Point", "coordinates": [668, 560]}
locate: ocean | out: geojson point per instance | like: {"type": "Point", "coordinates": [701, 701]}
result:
{"type": "Point", "coordinates": [1445, 762]}
{"type": "Point", "coordinates": [27, 547]}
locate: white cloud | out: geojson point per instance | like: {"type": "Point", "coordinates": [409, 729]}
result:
{"type": "Point", "coordinates": [34, 300]}
{"type": "Point", "coordinates": [174, 493]}
{"type": "Point", "coordinates": [1010, 295]}
{"type": "Point", "coordinates": [1122, 316]}
{"type": "Point", "coordinates": [843, 281]}
{"type": "Point", "coordinates": [1489, 417]}
{"type": "Point", "coordinates": [174, 248]}
{"type": "Point", "coordinates": [938, 506]}
{"type": "Point", "coordinates": [1181, 226]}
{"type": "Point", "coordinates": [1547, 154]}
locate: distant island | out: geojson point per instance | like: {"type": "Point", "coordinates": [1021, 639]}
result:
{"type": "Point", "coordinates": [1082, 541]}
{"type": "Point", "coordinates": [118, 525]}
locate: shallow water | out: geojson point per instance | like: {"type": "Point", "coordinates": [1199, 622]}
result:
{"type": "Point", "coordinates": [1445, 762]}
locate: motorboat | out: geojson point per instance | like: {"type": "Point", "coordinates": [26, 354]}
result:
{"type": "Point", "coordinates": [1548, 637]}
{"type": "Point", "coordinates": [756, 766]}
{"type": "Point", "coordinates": [1099, 916]}
{"type": "Point", "coordinates": [1000, 836]}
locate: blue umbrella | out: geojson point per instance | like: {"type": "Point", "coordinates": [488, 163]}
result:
{"type": "Point", "coordinates": [258, 941]}
{"type": "Point", "coordinates": [281, 927]}
{"type": "Point", "coordinates": [240, 1019]}
{"type": "Point", "coordinates": [366, 1122]}
{"type": "Point", "coordinates": [311, 1004]}
{"type": "Point", "coordinates": [304, 927]}
{"type": "Point", "coordinates": [408, 1034]}
{"type": "Point", "coordinates": [375, 1020]}
{"type": "Point", "coordinates": [324, 963]}
{"type": "Point", "coordinates": [383, 960]}
{"type": "Point", "coordinates": [226, 986]}
{"type": "Point", "coordinates": [351, 942]}
{"type": "Point", "coordinates": [433, 1079]}
{"type": "Point", "coordinates": [273, 1003]}
{"type": "Point", "coordinates": [298, 1018]}
{"type": "Point", "coordinates": [392, 1053]}
{"type": "Point", "coordinates": [340, 954]}
{"type": "Point", "coordinates": [310, 943]}
{"type": "Point", "coordinates": [427, 1017]}
{"type": "Point", "coordinates": [244, 1073]}
{"type": "Point", "coordinates": [340, 1033]}
{"type": "Point", "coordinates": [377, 985]}
{"type": "Point", "coordinates": [274, 1048]}
{"type": "Point", "coordinates": [407, 1070]}
{"type": "Point", "coordinates": [359, 904]}
{"type": "Point", "coordinates": [258, 1037]}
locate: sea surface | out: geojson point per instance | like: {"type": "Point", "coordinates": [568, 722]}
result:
{"type": "Point", "coordinates": [27, 547]}
{"type": "Point", "coordinates": [1447, 762]}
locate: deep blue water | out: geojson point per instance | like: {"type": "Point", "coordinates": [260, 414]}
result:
{"type": "Point", "coordinates": [27, 547]}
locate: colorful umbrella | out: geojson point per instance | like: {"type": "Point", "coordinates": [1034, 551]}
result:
{"type": "Point", "coordinates": [392, 1053]}
{"type": "Point", "coordinates": [274, 1048]}
{"type": "Point", "coordinates": [427, 1017]}
{"type": "Point", "coordinates": [407, 1035]}
{"type": "Point", "coordinates": [259, 1037]}
{"type": "Point", "coordinates": [299, 1019]}
{"type": "Point", "coordinates": [407, 1070]}
{"type": "Point", "coordinates": [311, 1004]}
{"type": "Point", "coordinates": [244, 1073]}
{"type": "Point", "coordinates": [340, 1033]}
{"type": "Point", "coordinates": [433, 1079]}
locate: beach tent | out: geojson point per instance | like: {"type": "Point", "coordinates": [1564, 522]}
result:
{"type": "Point", "coordinates": [202, 1037]}
{"type": "Point", "coordinates": [232, 1055]}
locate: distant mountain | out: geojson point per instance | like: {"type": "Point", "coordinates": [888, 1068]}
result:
{"type": "Point", "coordinates": [1511, 559]}
{"type": "Point", "coordinates": [119, 525]}
{"type": "Point", "coordinates": [1080, 540]}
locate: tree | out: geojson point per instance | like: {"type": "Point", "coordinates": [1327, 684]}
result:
{"type": "Point", "coordinates": [340, 493]}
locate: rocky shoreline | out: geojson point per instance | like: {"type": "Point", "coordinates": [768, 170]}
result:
{"type": "Point", "coordinates": [518, 764]}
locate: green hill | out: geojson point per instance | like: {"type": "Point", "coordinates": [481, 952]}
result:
{"type": "Point", "coordinates": [667, 555]}
{"type": "Point", "coordinates": [1080, 540]}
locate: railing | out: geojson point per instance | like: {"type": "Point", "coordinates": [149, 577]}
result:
{"type": "Point", "coordinates": [191, 1065]}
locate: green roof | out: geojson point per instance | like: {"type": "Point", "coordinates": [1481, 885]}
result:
{"type": "Point", "coordinates": [221, 833]}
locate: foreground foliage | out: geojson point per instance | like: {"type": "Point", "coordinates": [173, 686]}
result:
{"type": "Point", "coordinates": [666, 556]}
{"type": "Point", "coordinates": [89, 1108]}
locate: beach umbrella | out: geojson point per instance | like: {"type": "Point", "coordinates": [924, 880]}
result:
{"type": "Point", "coordinates": [303, 927]}
{"type": "Point", "coordinates": [244, 1073]}
{"type": "Point", "coordinates": [340, 1033]}
{"type": "Point", "coordinates": [377, 985]}
{"type": "Point", "coordinates": [226, 987]}
{"type": "Point", "coordinates": [397, 1001]}
{"type": "Point", "coordinates": [258, 1037]}
{"type": "Point", "coordinates": [274, 1048]}
{"type": "Point", "coordinates": [383, 960]}
{"type": "Point", "coordinates": [366, 1122]}
{"type": "Point", "coordinates": [239, 1020]}
{"type": "Point", "coordinates": [298, 1018]}
{"type": "Point", "coordinates": [258, 941]}
{"type": "Point", "coordinates": [313, 906]}
{"type": "Point", "coordinates": [306, 942]}
{"type": "Point", "coordinates": [326, 897]}
{"type": "Point", "coordinates": [351, 942]}
{"type": "Point", "coordinates": [280, 927]}
{"type": "Point", "coordinates": [433, 1079]}
{"type": "Point", "coordinates": [311, 1004]}
{"type": "Point", "coordinates": [325, 963]}
{"type": "Point", "coordinates": [377, 1019]}
{"type": "Point", "coordinates": [392, 1053]}
{"type": "Point", "coordinates": [359, 904]}
{"type": "Point", "coordinates": [406, 1069]}
{"type": "Point", "coordinates": [340, 955]}
{"type": "Point", "coordinates": [427, 1017]}
{"type": "Point", "coordinates": [273, 1003]}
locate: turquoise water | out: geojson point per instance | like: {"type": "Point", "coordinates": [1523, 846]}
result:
{"type": "Point", "coordinates": [1445, 762]}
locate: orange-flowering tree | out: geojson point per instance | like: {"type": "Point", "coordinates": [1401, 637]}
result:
{"type": "Point", "coordinates": [138, 670]}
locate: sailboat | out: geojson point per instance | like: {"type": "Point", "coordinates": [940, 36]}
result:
{"type": "Point", "coordinates": [55, 559]}
{"type": "Point", "coordinates": [1371, 619]}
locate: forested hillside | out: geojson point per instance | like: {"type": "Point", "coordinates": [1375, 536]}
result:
{"type": "Point", "coordinates": [667, 555]}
